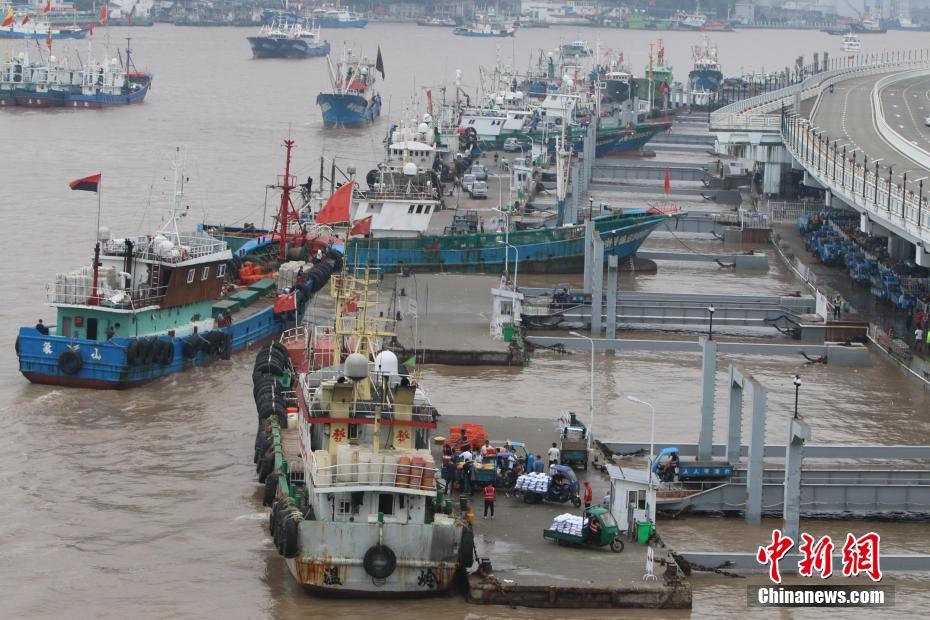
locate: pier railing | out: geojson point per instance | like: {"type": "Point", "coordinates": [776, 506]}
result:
{"type": "Point", "coordinates": [402, 477]}
{"type": "Point", "coordinates": [857, 181]}
{"type": "Point", "coordinates": [756, 113]}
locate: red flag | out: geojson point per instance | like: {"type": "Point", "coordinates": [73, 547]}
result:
{"type": "Point", "coordinates": [336, 208]}
{"type": "Point", "coordinates": [103, 15]}
{"type": "Point", "coordinates": [668, 182]}
{"type": "Point", "coordinates": [25, 20]}
{"type": "Point", "coordinates": [129, 16]}
{"type": "Point", "coordinates": [48, 7]}
{"type": "Point", "coordinates": [48, 41]}
{"type": "Point", "coordinates": [8, 21]}
{"type": "Point", "coordinates": [429, 101]}
{"type": "Point", "coordinates": [285, 302]}
{"type": "Point", "coordinates": [87, 184]}
{"type": "Point", "coordinates": [361, 227]}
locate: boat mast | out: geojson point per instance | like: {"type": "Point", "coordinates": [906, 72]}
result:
{"type": "Point", "coordinates": [285, 184]}
{"type": "Point", "coordinates": [171, 226]}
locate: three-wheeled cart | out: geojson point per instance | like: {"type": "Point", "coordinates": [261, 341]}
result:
{"type": "Point", "coordinates": [607, 532]}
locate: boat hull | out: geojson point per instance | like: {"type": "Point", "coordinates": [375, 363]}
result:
{"type": "Point", "coordinates": [472, 33]}
{"type": "Point", "coordinates": [348, 110]}
{"type": "Point", "coordinates": [539, 251]}
{"type": "Point", "coordinates": [25, 98]}
{"type": "Point", "coordinates": [329, 560]}
{"type": "Point", "coordinates": [703, 79]}
{"type": "Point", "coordinates": [267, 47]}
{"type": "Point", "coordinates": [359, 22]}
{"type": "Point", "coordinates": [105, 366]}
{"type": "Point", "coordinates": [104, 100]}
{"type": "Point", "coordinates": [10, 34]}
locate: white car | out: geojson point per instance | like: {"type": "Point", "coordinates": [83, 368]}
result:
{"type": "Point", "coordinates": [467, 181]}
{"type": "Point", "coordinates": [927, 121]}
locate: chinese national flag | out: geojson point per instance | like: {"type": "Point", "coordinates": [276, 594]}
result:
{"type": "Point", "coordinates": [25, 20]}
{"type": "Point", "coordinates": [336, 208]}
{"type": "Point", "coordinates": [8, 21]}
{"type": "Point", "coordinates": [87, 184]}
{"type": "Point", "coordinates": [361, 227]}
{"type": "Point", "coordinates": [48, 7]}
{"type": "Point", "coordinates": [103, 14]}
{"type": "Point", "coordinates": [668, 182]}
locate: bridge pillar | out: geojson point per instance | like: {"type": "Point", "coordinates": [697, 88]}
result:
{"type": "Point", "coordinates": [827, 198]}
{"type": "Point", "coordinates": [865, 224]}
{"type": "Point", "coordinates": [898, 248]}
{"type": "Point", "coordinates": [756, 454]}
{"type": "Point", "coordinates": [798, 433]}
{"type": "Point", "coordinates": [708, 372]}
{"type": "Point", "coordinates": [597, 284]}
{"type": "Point", "coordinates": [613, 268]}
{"type": "Point", "coordinates": [588, 255]}
{"type": "Point", "coordinates": [921, 257]}
{"type": "Point", "coordinates": [735, 418]}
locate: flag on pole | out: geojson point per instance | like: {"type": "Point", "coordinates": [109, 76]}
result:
{"type": "Point", "coordinates": [411, 362]}
{"type": "Point", "coordinates": [87, 184]}
{"type": "Point", "coordinates": [8, 21]}
{"type": "Point", "coordinates": [130, 15]}
{"type": "Point", "coordinates": [379, 63]}
{"type": "Point", "coordinates": [103, 15]}
{"type": "Point", "coordinates": [668, 182]}
{"type": "Point", "coordinates": [25, 20]}
{"type": "Point", "coordinates": [48, 39]}
{"type": "Point", "coordinates": [48, 6]}
{"type": "Point", "coordinates": [336, 208]}
{"type": "Point", "coordinates": [361, 227]}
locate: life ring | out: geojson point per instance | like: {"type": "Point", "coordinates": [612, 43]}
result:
{"type": "Point", "coordinates": [70, 362]}
{"type": "Point", "coordinates": [380, 561]}
{"type": "Point", "coordinates": [467, 549]}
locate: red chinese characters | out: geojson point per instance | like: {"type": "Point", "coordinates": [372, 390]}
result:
{"type": "Point", "coordinates": [339, 435]}
{"type": "Point", "coordinates": [817, 556]}
{"type": "Point", "coordinates": [860, 555]}
{"type": "Point", "coordinates": [774, 552]}
{"type": "Point", "coordinates": [403, 436]}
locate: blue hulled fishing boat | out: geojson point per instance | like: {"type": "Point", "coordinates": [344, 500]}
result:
{"type": "Point", "coordinates": [352, 100]}
{"type": "Point", "coordinates": [153, 305]}
{"type": "Point", "coordinates": [280, 40]}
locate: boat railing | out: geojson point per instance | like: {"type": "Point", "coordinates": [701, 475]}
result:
{"type": "Point", "coordinates": [375, 326]}
{"type": "Point", "coordinates": [176, 249]}
{"type": "Point", "coordinates": [80, 292]}
{"type": "Point", "coordinates": [400, 194]}
{"type": "Point", "coordinates": [385, 472]}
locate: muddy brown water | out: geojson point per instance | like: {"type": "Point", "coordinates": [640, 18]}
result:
{"type": "Point", "coordinates": [143, 503]}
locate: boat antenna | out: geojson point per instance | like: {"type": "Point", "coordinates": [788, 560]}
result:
{"type": "Point", "coordinates": [171, 226]}
{"type": "Point", "coordinates": [285, 184]}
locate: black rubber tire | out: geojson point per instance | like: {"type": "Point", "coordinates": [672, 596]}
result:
{"type": "Point", "coordinates": [291, 537]}
{"type": "Point", "coordinates": [132, 353]}
{"type": "Point", "coordinates": [148, 351]}
{"type": "Point", "coordinates": [190, 347]}
{"type": "Point", "coordinates": [266, 467]}
{"type": "Point", "coordinates": [380, 561]}
{"type": "Point", "coordinates": [576, 501]}
{"type": "Point", "coordinates": [272, 410]}
{"type": "Point", "coordinates": [271, 490]}
{"type": "Point", "coordinates": [70, 362]}
{"type": "Point", "coordinates": [167, 354]}
{"type": "Point", "coordinates": [616, 545]}
{"type": "Point", "coordinates": [16, 346]}
{"type": "Point", "coordinates": [271, 367]}
{"type": "Point", "coordinates": [467, 549]}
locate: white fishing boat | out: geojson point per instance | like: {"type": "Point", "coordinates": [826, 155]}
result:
{"type": "Point", "coordinates": [851, 43]}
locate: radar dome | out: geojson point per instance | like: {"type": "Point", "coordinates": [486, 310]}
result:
{"type": "Point", "coordinates": [356, 366]}
{"type": "Point", "coordinates": [410, 169]}
{"type": "Point", "coordinates": [423, 128]}
{"type": "Point", "coordinates": [427, 118]}
{"type": "Point", "coordinates": [386, 364]}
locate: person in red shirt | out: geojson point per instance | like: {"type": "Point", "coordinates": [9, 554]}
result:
{"type": "Point", "coordinates": [490, 494]}
{"type": "Point", "coordinates": [588, 495]}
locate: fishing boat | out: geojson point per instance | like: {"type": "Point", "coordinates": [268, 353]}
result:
{"type": "Point", "coordinates": [339, 18]}
{"type": "Point", "coordinates": [656, 85]}
{"type": "Point", "coordinates": [486, 28]}
{"type": "Point", "coordinates": [575, 49]}
{"type": "Point", "coordinates": [561, 12]}
{"type": "Point", "coordinates": [350, 477]}
{"type": "Point", "coordinates": [152, 305]}
{"type": "Point", "coordinates": [851, 43]}
{"type": "Point", "coordinates": [38, 29]}
{"type": "Point", "coordinates": [706, 74]}
{"type": "Point", "coordinates": [280, 40]}
{"type": "Point", "coordinates": [351, 100]}
{"type": "Point", "coordinates": [443, 22]}
{"type": "Point", "coordinates": [50, 83]}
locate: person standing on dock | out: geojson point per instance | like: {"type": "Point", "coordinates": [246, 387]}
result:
{"type": "Point", "coordinates": [588, 495]}
{"type": "Point", "coordinates": [918, 339]}
{"type": "Point", "coordinates": [539, 465]}
{"type": "Point", "coordinates": [554, 455]}
{"type": "Point", "coordinates": [490, 494]}
{"type": "Point", "coordinates": [837, 307]}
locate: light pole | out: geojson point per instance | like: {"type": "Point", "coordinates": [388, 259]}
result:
{"type": "Point", "coordinates": [591, 402]}
{"type": "Point", "coordinates": [710, 327]}
{"type": "Point", "coordinates": [652, 431]}
{"type": "Point", "coordinates": [797, 388]}
{"type": "Point", "coordinates": [516, 260]}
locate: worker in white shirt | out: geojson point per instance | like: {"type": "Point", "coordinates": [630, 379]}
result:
{"type": "Point", "coordinates": [553, 455]}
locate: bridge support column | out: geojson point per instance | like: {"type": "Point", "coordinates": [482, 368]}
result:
{"type": "Point", "coordinates": [613, 268]}
{"type": "Point", "coordinates": [922, 257]}
{"type": "Point", "coordinates": [827, 198]}
{"type": "Point", "coordinates": [708, 372]}
{"type": "Point", "coordinates": [865, 224]}
{"type": "Point", "coordinates": [588, 254]}
{"type": "Point", "coordinates": [756, 454]}
{"type": "Point", "coordinates": [597, 284]}
{"type": "Point", "coordinates": [798, 433]}
{"type": "Point", "coordinates": [898, 248]}
{"type": "Point", "coordinates": [735, 418]}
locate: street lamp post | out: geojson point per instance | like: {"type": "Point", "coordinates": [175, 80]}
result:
{"type": "Point", "coordinates": [890, 171]}
{"type": "Point", "coordinates": [797, 388]}
{"type": "Point", "coordinates": [652, 431]}
{"type": "Point", "coordinates": [710, 327]}
{"type": "Point", "coordinates": [590, 432]}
